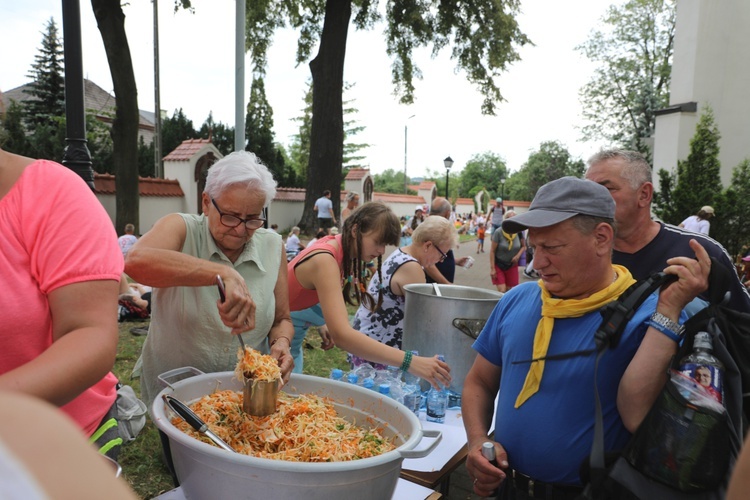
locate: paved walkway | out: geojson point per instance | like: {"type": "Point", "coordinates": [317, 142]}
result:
{"type": "Point", "coordinates": [479, 277]}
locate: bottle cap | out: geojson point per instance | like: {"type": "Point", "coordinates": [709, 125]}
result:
{"type": "Point", "coordinates": [368, 383]}
{"type": "Point", "coordinates": [337, 373]}
{"type": "Point", "coordinates": [384, 389]}
{"type": "Point", "coordinates": [702, 341]}
{"type": "Point", "coordinates": [352, 378]}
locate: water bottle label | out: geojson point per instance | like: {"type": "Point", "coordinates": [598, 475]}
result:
{"type": "Point", "coordinates": [710, 377]}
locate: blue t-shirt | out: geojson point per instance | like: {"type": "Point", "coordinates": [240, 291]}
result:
{"type": "Point", "coordinates": [550, 435]}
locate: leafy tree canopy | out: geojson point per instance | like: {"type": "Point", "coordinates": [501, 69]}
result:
{"type": "Point", "coordinates": [634, 56]}
{"type": "Point", "coordinates": [48, 87]}
{"type": "Point", "coordinates": [390, 181]}
{"type": "Point", "coordinates": [550, 162]}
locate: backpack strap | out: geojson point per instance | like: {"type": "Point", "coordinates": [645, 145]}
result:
{"type": "Point", "coordinates": [616, 315]}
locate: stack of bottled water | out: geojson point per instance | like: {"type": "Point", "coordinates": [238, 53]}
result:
{"type": "Point", "coordinates": [404, 388]}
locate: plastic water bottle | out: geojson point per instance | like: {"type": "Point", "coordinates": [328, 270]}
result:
{"type": "Point", "coordinates": [352, 378]}
{"type": "Point", "coordinates": [368, 383]}
{"type": "Point", "coordinates": [413, 396]}
{"type": "Point", "coordinates": [437, 402]}
{"type": "Point", "coordinates": [384, 389]}
{"type": "Point", "coordinates": [704, 367]}
{"type": "Point", "coordinates": [336, 374]}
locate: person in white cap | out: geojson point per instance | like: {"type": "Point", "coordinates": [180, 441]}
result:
{"type": "Point", "coordinates": [699, 223]}
{"type": "Point", "coordinates": [417, 218]}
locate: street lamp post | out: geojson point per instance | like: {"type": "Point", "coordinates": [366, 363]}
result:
{"type": "Point", "coordinates": [406, 179]}
{"type": "Point", "coordinates": [502, 192]}
{"type": "Point", "coordinates": [448, 162]}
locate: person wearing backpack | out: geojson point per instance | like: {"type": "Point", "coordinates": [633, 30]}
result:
{"type": "Point", "coordinates": [544, 417]}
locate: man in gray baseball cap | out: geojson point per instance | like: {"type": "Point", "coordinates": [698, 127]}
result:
{"type": "Point", "coordinates": [571, 227]}
{"type": "Point", "coordinates": [562, 199]}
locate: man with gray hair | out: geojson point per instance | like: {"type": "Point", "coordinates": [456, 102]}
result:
{"type": "Point", "coordinates": [571, 226]}
{"type": "Point", "coordinates": [444, 271]}
{"type": "Point", "coordinates": [642, 244]}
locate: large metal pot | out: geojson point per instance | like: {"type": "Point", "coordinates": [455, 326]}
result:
{"type": "Point", "coordinates": [446, 319]}
{"type": "Point", "coordinates": [206, 471]}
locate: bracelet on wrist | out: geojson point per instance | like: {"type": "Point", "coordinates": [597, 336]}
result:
{"type": "Point", "coordinates": [273, 342]}
{"type": "Point", "coordinates": [670, 328]}
{"type": "Point", "coordinates": [407, 361]}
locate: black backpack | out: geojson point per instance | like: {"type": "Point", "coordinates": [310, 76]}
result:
{"type": "Point", "coordinates": [701, 445]}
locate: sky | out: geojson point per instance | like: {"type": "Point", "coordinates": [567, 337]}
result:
{"type": "Point", "coordinates": [197, 74]}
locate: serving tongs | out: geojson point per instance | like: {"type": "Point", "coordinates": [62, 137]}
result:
{"type": "Point", "coordinates": [259, 396]}
{"type": "Point", "coordinates": [185, 413]}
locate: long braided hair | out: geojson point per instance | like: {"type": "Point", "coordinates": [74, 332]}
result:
{"type": "Point", "coordinates": [373, 217]}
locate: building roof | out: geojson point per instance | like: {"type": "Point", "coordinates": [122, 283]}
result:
{"type": "Point", "coordinates": [513, 203]}
{"type": "Point", "coordinates": [289, 194]}
{"type": "Point", "coordinates": [147, 186]}
{"type": "Point", "coordinates": [426, 185]}
{"type": "Point", "coordinates": [96, 100]}
{"type": "Point", "coordinates": [357, 173]}
{"type": "Point", "coordinates": [186, 150]}
{"type": "Point", "coordinates": [398, 198]}
{"type": "Point", "coordinates": [465, 201]}
{"type": "Point", "coordinates": [413, 187]}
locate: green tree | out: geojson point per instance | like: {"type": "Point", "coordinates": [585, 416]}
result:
{"type": "Point", "coordinates": [146, 167]}
{"type": "Point", "coordinates": [390, 181]}
{"type": "Point", "coordinates": [634, 54]}
{"type": "Point", "coordinates": [48, 88]}
{"type": "Point", "coordinates": [483, 37]}
{"type": "Point", "coordinates": [550, 162]}
{"type": "Point", "coordinates": [260, 136]}
{"type": "Point", "coordinates": [732, 206]}
{"type": "Point", "coordinates": [176, 129]}
{"type": "Point", "coordinates": [299, 147]}
{"type": "Point", "coordinates": [13, 133]}
{"type": "Point", "coordinates": [222, 136]}
{"type": "Point", "coordinates": [482, 171]}
{"type": "Point", "coordinates": [698, 177]}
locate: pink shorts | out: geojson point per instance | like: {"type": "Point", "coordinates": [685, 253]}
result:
{"type": "Point", "coordinates": [508, 277]}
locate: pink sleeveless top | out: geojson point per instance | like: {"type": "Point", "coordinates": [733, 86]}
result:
{"type": "Point", "coordinates": [301, 298]}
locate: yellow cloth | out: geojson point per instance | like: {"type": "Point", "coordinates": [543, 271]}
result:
{"type": "Point", "coordinates": [510, 238]}
{"type": "Point", "coordinates": [565, 308]}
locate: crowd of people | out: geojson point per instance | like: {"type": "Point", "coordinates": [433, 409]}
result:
{"type": "Point", "coordinates": [592, 238]}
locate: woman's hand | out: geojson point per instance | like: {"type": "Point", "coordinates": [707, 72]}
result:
{"type": "Point", "coordinates": [238, 310]}
{"type": "Point", "coordinates": [433, 370]}
{"type": "Point", "coordinates": [325, 338]}
{"type": "Point", "coordinates": [281, 353]}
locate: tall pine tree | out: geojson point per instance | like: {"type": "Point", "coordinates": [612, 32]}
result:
{"type": "Point", "coordinates": [48, 87]}
{"type": "Point", "coordinates": [260, 136]}
{"type": "Point", "coordinates": [698, 177]}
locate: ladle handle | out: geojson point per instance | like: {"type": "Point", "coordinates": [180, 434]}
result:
{"type": "Point", "coordinates": [223, 297]}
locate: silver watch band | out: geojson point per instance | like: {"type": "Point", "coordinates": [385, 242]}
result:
{"type": "Point", "coordinates": [667, 323]}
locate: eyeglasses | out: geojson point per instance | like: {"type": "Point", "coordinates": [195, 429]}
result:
{"type": "Point", "coordinates": [442, 255]}
{"type": "Point", "coordinates": [232, 221]}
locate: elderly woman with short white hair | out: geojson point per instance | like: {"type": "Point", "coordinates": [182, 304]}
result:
{"type": "Point", "coordinates": [182, 256]}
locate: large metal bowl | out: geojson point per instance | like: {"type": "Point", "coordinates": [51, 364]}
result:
{"type": "Point", "coordinates": [206, 471]}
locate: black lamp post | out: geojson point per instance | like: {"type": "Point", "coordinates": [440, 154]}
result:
{"type": "Point", "coordinates": [448, 162]}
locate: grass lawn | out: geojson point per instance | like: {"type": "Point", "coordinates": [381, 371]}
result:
{"type": "Point", "coordinates": [141, 460]}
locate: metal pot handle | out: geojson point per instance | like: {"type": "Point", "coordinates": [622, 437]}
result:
{"type": "Point", "coordinates": [470, 327]}
{"type": "Point", "coordinates": [430, 433]}
{"type": "Point", "coordinates": [166, 379]}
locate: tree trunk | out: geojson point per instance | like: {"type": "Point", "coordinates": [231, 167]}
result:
{"type": "Point", "coordinates": [111, 22]}
{"type": "Point", "coordinates": [327, 131]}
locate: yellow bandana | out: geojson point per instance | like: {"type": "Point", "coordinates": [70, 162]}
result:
{"type": "Point", "coordinates": [510, 238]}
{"type": "Point", "coordinates": [565, 308]}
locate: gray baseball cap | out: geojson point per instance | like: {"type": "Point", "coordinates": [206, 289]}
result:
{"type": "Point", "coordinates": [562, 199]}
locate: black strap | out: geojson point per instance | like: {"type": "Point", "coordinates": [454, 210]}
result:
{"type": "Point", "coordinates": [617, 315]}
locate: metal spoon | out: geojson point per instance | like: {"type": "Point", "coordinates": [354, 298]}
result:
{"type": "Point", "coordinates": [223, 296]}
{"type": "Point", "coordinates": [194, 421]}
